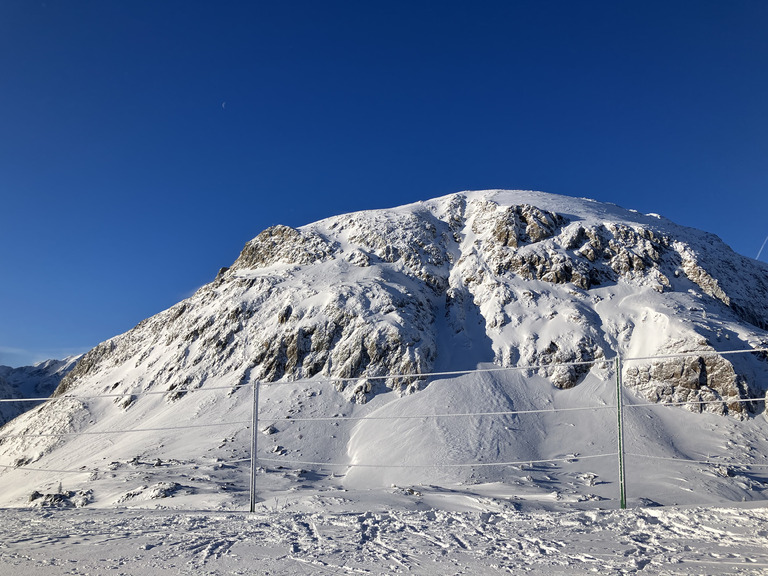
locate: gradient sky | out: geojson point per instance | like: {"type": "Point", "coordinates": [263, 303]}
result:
{"type": "Point", "coordinates": [142, 143]}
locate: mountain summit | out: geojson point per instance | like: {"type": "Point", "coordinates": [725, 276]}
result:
{"type": "Point", "coordinates": [377, 301]}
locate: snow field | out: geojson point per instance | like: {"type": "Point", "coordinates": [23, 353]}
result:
{"type": "Point", "coordinates": [385, 539]}
{"type": "Point", "coordinates": [549, 448]}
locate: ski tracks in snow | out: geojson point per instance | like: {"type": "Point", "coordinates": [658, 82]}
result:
{"type": "Point", "coordinates": [638, 541]}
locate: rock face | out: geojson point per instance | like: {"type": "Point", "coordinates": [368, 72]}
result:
{"type": "Point", "coordinates": [695, 380]}
{"type": "Point", "coordinates": [358, 295]}
{"type": "Point", "coordinates": [373, 299]}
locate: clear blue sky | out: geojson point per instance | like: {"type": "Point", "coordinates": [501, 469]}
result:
{"type": "Point", "coordinates": [142, 143]}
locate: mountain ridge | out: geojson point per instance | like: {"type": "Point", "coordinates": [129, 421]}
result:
{"type": "Point", "coordinates": [37, 381]}
{"type": "Point", "coordinates": [371, 300]}
{"type": "Point", "coordinates": [306, 245]}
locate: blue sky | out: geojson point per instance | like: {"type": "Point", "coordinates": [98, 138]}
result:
{"type": "Point", "coordinates": [143, 143]}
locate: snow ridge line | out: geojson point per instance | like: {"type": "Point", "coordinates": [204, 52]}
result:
{"type": "Point", "coordinates": [331, 379]}
{"type": "Point", "coordinates": [442, 415]}
{"type": "Point", "coordinates": [101, 432]}
{"type": "Point", "coordinates": [512, 412]}
{"type": "Point", "coordinates": [568, 459]}
{"type": "Point", "coordinates": [710, 462]}
{"type": "Point", "coordinates": [340, 465]}
{"type": "Point", "coordinates": [85, 470]}
{"type": "Point", "coordinates": [470, 465]}
{"type": "Point", "coordinates": [47, 470]}
{"type": "Point", "coordinates": [403, 417]}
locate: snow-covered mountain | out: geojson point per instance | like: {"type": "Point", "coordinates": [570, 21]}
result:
{"type": "Point", "coordinates": [348, 311]}
{"type": "Point", "coordinates": [38, 381]}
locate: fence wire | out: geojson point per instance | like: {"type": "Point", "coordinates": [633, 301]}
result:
{"type": "Point", "coordinates": [333, 380]}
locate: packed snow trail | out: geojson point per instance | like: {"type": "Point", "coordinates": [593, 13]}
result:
{"type": "Point", "coordinates": [148, 542]}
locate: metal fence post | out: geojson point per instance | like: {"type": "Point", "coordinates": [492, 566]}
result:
{"type": "Point", "coordinates": [254, 443]}
{"type": "Point", "coordinates": [620, 434]}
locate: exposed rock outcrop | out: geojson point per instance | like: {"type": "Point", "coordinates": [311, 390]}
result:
{"type": "Point", "coordinates": [702, 382]}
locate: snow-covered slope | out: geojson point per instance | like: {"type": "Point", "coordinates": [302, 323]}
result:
{"type": "Point", "coordinates": [336, 315]}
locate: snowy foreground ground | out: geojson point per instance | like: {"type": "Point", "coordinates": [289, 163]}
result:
{"type": "Point", "coordinates": [174, 506]}
{"type": "Point", "coordinates": [492, 538]}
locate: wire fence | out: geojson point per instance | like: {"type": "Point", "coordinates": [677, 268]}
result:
{"type": "Point", "coordinates": [622, 402]}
